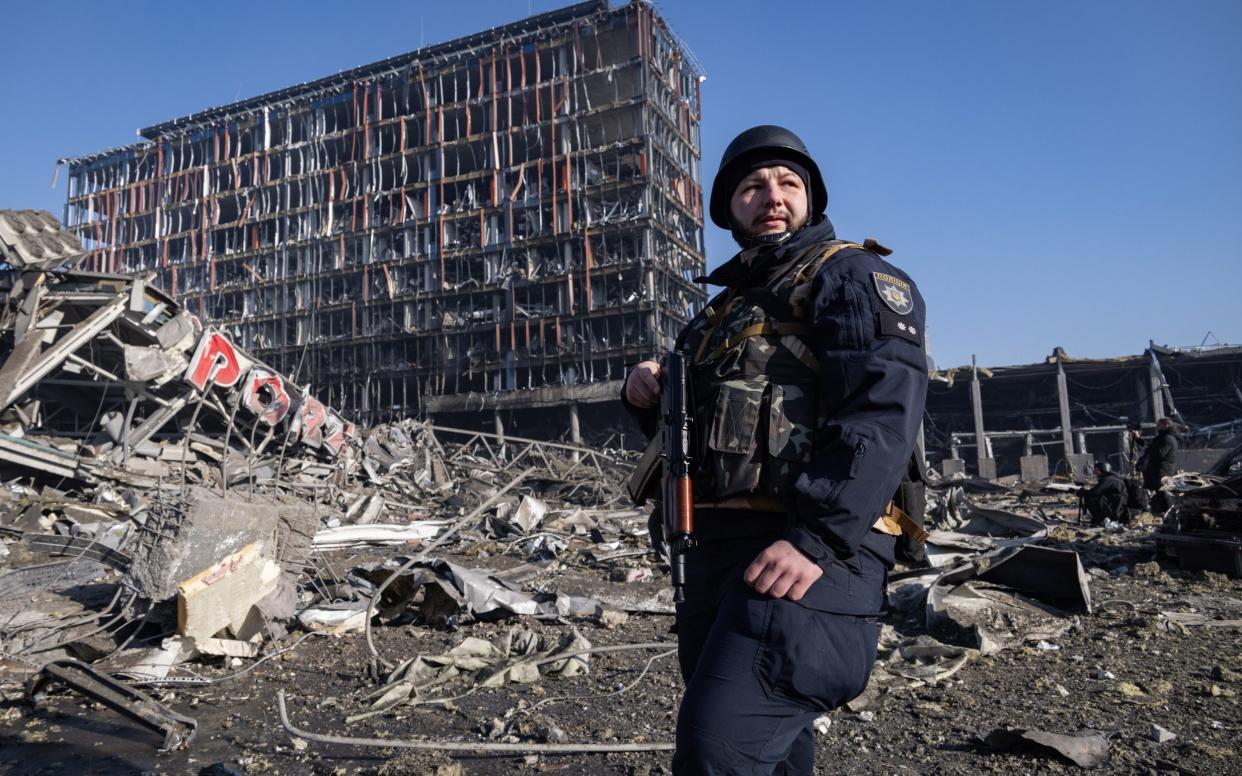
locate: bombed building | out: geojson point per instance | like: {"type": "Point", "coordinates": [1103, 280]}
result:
{"type": "Point", "coordinates": [501, 222]}
{"type": "Point", "coordinates": [1061, 415]}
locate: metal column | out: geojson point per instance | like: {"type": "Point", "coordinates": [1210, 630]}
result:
{"type": "Point", "coordinates": [985, 462]}
{"type": "Point", "coordinates": [1157, 395]}
{"type": "Point", "coordinates": [575, 431]}
{"type": "Point", "coordinates": [1067, 431]}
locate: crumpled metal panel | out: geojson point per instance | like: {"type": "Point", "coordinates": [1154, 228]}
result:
{"type": "Point", "coordinates": [34, 238]}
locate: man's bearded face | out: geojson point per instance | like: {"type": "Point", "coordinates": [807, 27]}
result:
{"type": "Point", "coordinates": [770, 200]}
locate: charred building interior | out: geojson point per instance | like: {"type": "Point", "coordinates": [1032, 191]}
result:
{"type": "Point", "coordinates": [502, 222]}
{"type": "Point", "coordinates": [1062, 415]}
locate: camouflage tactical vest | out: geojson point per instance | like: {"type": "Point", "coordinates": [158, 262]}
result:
{"type": "Point", "coordinates": [756, 382]}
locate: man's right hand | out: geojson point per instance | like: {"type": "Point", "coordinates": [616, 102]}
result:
{"type": "Point", "coordinates": [642, 387]}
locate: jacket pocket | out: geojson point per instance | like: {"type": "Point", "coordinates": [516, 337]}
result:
{"type": "Point", "coordinates": [733, 462]}
{"type": "Point", "coordinates": [816, 660]}
{"type": "Point", "coordinates": [792, 420]}
{"type": "Point", "coordinates": [847, 456]}
{"type": "Point", "coordinates": [842, 325]}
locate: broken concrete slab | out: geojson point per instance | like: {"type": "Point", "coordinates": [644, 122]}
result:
{"type": "Point", "coordinates": [151, 364]}
{"type": "Point", "coordinates": [152, 663]}
{"type": "Point", "coordinates": [224, 595]}
{"type": "Point", "coordinates": [224, 647]}
{"type": "Point", "coordinates": [184, 536]}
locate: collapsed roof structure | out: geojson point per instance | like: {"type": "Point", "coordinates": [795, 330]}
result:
{"type": "Point", "coordinates": [103, 365]}
{"type": "Point", "coordinates": [1064, 413]}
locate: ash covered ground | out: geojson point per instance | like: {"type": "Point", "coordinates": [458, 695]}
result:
{"type": "Point", "coordinates": [1161, 650]}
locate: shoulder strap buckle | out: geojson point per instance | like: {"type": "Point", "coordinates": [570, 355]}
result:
{"type": "Point", "coordinates": [876, 247]}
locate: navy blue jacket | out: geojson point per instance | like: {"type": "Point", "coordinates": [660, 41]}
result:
{"type": "Point", "coordinates": [874, 379]}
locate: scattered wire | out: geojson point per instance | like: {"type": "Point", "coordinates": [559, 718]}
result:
{"type": "Point", "coordinates": [204, 680]}
{"type": "Point", "coordinates": [462, 746]}
{"type": "Point", "coordinates": [627, 687]}
{"type": "Point", "coordinates": [441, 539]}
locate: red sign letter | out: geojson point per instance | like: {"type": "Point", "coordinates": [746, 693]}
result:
{"type": "Point", "coordinates": [215, 361]}
{"type": "Point", "coordinates": [265, 396]}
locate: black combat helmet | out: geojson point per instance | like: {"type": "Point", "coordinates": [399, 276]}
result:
{"type": "Point", "coordinates": [758, 144]}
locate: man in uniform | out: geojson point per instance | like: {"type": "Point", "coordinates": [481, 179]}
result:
{"type": "Point", "coordinates": [809, 379]}
{"type": "Point", "coordinates": [1157, 461]}
{"type": "Point", "coordinates": [1106, 500]}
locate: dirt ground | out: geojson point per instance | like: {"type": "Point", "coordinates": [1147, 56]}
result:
{"type": "Point", "coordinates": [1120, 671]}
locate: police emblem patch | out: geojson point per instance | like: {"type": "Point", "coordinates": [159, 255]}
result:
{"type": "Point", "coordinates": [894, 292]}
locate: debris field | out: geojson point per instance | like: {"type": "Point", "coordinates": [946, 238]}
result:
{"type": "Point", "coordinates": [204, 569]}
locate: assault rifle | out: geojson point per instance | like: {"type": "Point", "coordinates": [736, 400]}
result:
{"type": "Point", "coordinates": [670, 452]}
{"type": "Point", "coordinates": [676, 418]}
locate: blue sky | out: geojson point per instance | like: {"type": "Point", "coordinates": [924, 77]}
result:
{"type": "Point", "coordinates": [1052, 173]}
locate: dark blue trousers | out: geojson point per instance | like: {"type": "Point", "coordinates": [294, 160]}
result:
{"type": "Point", "coordinates": [758, 670]}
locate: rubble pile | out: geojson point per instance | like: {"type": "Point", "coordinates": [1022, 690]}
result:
{"type": "Point", "coordinates": [170, 499]}
{"type": "Point", "coordinates": [1042, 636]}
{"type": "Point", "coordinates": [1203, 529]}
{"type": "Point", "coordinates": [190, 539]}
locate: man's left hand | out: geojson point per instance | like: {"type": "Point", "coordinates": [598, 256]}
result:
{"type": "Point", "coordinates": [782, 571]}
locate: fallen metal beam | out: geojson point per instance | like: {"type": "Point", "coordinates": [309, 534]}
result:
{"type": "Point", "coordinates": [23, 452]}
{"type": "Point", "coordinates": [154, 422]}
{"type": "Point", "coordinates": [483, 435]}
{"type": "Point", "coordinates": [178, 730]}
{"type": "Point", "coordinates": [66, 346]}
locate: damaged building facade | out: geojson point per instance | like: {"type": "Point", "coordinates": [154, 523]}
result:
{"type": "Point", "coordinates": [501, 222]}
{"type": "Point", "coordinates": [1059, 416]}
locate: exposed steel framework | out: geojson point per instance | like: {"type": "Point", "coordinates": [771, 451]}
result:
{"type": "Point", "coordinates": [515, 211]}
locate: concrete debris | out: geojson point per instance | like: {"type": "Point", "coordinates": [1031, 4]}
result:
{"type": "Point", "coordinates": [1203, 529]}
{"type": "Point", "coordinates": [986, 604]}
{"type": "Point", "coordinates": [225, 595]}
{"type": "Point", "coordinates": [226, 647]}
{"type": "Point", "coordinates": [155, 663]}
{"type": "Point", "coordinates": [175, 513]}
{"type": "Point", "coordinates": [1086, 750]}
{"type": "Point", "coordinates": [200, 492]}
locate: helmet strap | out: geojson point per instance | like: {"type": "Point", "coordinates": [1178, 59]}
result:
{"type": "Point", "coordinates": [748, 241]}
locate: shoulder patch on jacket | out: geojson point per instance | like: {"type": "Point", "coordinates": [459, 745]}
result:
{"type": "Point", "coordinates": [894, 292]}
{"type": "Point", "coordinates": [892, 325]}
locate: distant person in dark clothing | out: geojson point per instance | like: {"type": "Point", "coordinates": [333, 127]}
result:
{"type": "Point", "coordinates": [1106, 500]}
{"type": "Point", "coordinates": [1158, 460]}
{"type": "Point", "coordinates": [1159, 454]}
